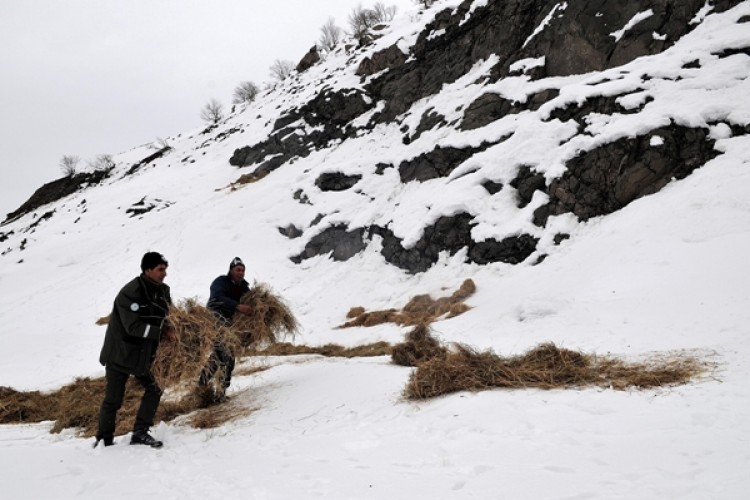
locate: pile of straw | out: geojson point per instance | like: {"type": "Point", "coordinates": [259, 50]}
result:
{"type": "Point", "coordinates": [419, 346]}
{"type": "Point", "coordinates": [420, 310]}
{"type": "Point", "coordinates": [270, 318]}
{"type": "Point", "coordinates": [545, 367]}
{"type": "Point", "coordinates": [198, 331]}
{"type": "Point", "coordinates": [25, 407]}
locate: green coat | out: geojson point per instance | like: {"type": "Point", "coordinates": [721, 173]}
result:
{"type": "Point", "coordinates": [135, 326]}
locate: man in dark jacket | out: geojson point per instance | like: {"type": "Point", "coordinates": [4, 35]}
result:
{"type": "Point", "coordinates": [136, 325]}
{"type": "Point", "coordinates": [224, 302]}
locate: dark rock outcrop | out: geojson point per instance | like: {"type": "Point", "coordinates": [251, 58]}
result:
{"type": "Point", "coordinates": [330, 110]}
{"type": "Point", "coordinates": [448, 234]}
{"type": "Point", "coordinates": [490, 107]}
{"type": "Point", "coordinates": [150, 158]}
{"type": "Point", "coordinates": [335, 109]}
{"type": "Point", "coordinates": [452, 234]}
{"type": "Point", "coordinates": [336, 181]}
{"type": "Point", "coordinates": [337, 240]}
{"type": "Point", "coordinates": [271, 153]}
{"type": "Point", "coordinates": [291, 231]}
{"type": "Point", "coordinates": [578, 39]}
{"type": "Point", "coordinates": [511, 250]}
{"type": "Point", "coordinates": [606, 179]}
{"type": "Point", "coordinates": [527, 181]}
{"type": "Point", "coordinates": [492, 187]}
{"type": "Point", "coordinates": [439, 162]}
{"type": "Point", "coordinates": [309, 60]}
{"type": "Point", "coordinates": [59, 189]}
{"type": "Point", "coordinates": [388, 58]}
{"type": "Point", "coordinates": [430, 119]}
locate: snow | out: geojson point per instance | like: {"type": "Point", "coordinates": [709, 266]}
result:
{"type": "Point", "coordinates": [640, 16]}
{"type": "Point", "coordinates": [557, 7]}
{"type": "Point", "coordinates": [667, 274]}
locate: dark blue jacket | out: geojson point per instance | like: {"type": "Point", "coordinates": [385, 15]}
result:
{"type": "Point", "coordinates": [225, 296]}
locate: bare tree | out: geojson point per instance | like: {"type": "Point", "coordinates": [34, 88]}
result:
{"type": "Point", "coordinates": [102, 162]}
{"type": "Point", "coordinates": [330, 35]}
{"type": "Point", "coordinates": [212, 112]}
{"type": "Point", "coordinates": [384, 14]}
{"type": "Point", "coordinates": [160, 144]}
{"type": "Point", "coordinates": [245, 92]}
{"type": "Point", "coordinates": [280, 70]}
{"type": "Point", "coordinates": [361, 22]}
{"type": "Point", "coordinates": [68, 165]}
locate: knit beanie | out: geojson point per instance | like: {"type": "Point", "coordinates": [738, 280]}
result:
{"type": "Point", "coordinates": [152, 259]}
{"type": "Point", "coordinates": [236, 262]}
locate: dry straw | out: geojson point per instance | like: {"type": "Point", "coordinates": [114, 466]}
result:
{"type": "Point", "coordinates": [197, 331]}
{"type": "Point", "coordinates": [545, 367]}
{"type": "Point", "coordinates": [419, 346]}
{"type": "Point", "coordinates": [328, 350]}
{"type": "Point", "coordinates": [270, 319]}
{"type": "Point", "coordinates": [420, 310]}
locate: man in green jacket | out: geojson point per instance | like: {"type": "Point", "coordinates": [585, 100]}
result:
{"type": "Point", "coordinates": [136, 325]}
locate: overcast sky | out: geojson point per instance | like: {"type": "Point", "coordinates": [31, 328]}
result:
{"type": "Point", "coordinates": [87, 77]}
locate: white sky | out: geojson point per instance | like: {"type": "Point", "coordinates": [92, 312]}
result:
{"type": "Point", "coordinates": [86, 77]}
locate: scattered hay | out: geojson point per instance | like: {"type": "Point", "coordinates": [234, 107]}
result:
{"type": "Point", "coordinates": [104, 320]}
{"type": "Point", "coordinates": [77, 406]}
{"type": "Point", "coordinates": [214, 416]}
{"type": "Point", "coordinates": [355, 311]}
{"type": "Point", "coordinates": [328, 350]}
{"type": "Point", "coordinates": [419, 346]}
{"type": "Point", "coordinates": [197, 332]}
{"type": "Point", "coordinates": [420, 310]}
{"type": "Point", "coordinates": [244, 371]}
{"type": "Point", "coordinates": [25, 407]}
{"type": "Point", "coordinates": [247, 179]}
{"type": "Point", "coordinates": [270, 318]}
{"type": "Point", "coordinates": [544, 367]}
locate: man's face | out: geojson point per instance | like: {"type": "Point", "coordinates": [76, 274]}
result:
{"type": "Point", "coordinates": [237, 273]}
{"type": "Point", "coordinates": [156, 274]}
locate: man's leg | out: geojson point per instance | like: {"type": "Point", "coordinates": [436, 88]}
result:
{"type": "Point", "coordinates": [227, 363]}
{"type": "Point", "coordinates": [113, 396]}
{"type": "Point", "coordinates": [208, 371]}
{"type": "Point", "coordinates": [144, 419]}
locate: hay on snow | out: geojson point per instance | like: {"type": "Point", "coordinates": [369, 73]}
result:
{"type": "Point", "coordinates": [545, 367]}
{"type": "Point", "coordinates": [420, 310]}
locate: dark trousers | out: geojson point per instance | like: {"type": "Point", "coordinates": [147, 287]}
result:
{"type": "Point", "coordinates": [222, 358]}
{"type": "Point", "coordinates": [113, 397]}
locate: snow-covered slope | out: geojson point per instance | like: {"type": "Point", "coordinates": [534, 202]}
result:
{"type": "Point", "coordinates": [665, 273]}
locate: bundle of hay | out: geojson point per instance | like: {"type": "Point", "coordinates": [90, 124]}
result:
{"type": "Point", "coordinates": [419, 346]}
{"type": "Point", "coordinates": [269, 320]}
{"type": "Point", "coordinates": [198, 331]}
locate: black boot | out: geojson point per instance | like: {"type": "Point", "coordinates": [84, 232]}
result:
{"type": "Point", "coordinates": [143, 437]}
{"type": "Point", "coordinates": [107, 440]}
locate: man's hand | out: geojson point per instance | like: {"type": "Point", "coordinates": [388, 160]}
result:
{"type": "Point", "coordinates": [244, 309]}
